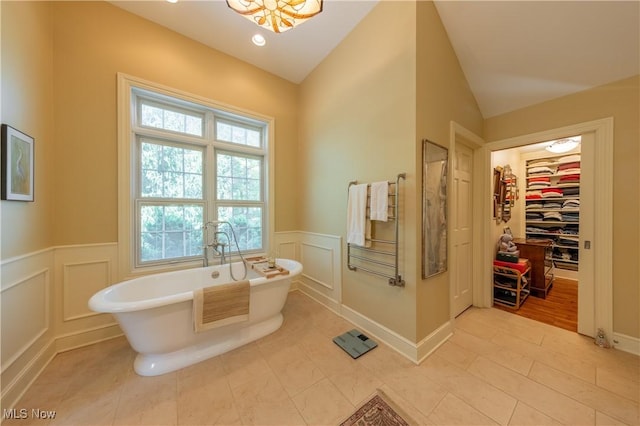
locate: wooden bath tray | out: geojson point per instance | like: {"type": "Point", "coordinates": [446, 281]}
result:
{"type": "Point", "coordinates": [261, 265]}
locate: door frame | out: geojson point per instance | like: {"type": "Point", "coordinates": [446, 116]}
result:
{"type": "Point", "coordinates": [459, 134]}
{"type": "Point", "coordinates": [595, 304]}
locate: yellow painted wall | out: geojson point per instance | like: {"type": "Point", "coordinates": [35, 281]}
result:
{"type": "Point", "coordinates": [392, 82]}
{"type": "Point", "coordinates": [27, 96]}
{"type": "Point", "coordinates": [620, 100]}
{"type": "Point", "coordinates": [443, 95]}
{"type": "Point", "coordinates": [27, 323]}
{"type": "Point", "coordinates": [358, 123]}
{"type": "Point", "coordinates": [95, 40]}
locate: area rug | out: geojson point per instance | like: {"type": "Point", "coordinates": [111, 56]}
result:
{"type": "Point", "coordinates": [378, 410]}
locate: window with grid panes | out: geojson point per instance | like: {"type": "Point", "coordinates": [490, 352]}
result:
{"type": "Point", "coordinates": [193, 165]}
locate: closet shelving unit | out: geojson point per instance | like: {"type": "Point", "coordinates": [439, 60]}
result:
{"type": "Point", "coordinates": [563, 233]}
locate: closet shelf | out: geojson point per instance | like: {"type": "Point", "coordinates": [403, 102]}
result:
{"type": "Point", "coordinates": [562, 259]}
{"type": "Point", "coordinates": [563, 246]}
{"type": "Point", "coordinates": [551, 162]}
{"type": "Point", "coordinates": [550, 175]}
{"type": "Point", "coordinates": [552, 210]}
{"type": "Point", "coordinates": [551, 222]}
{"type": "Point", "coordinates": [569, 185]}
{"type": "Point", "coordinates": [535, 225]}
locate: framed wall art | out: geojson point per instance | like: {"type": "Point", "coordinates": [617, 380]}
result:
{"type": "Point", "coordinates": [17, 165]}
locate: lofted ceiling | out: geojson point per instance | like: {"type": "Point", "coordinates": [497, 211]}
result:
{"type": "Point", "coordinates": [513, 53]}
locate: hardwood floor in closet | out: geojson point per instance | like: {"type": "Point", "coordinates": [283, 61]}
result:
{"type": "Point", "coordinates": [559, 309]}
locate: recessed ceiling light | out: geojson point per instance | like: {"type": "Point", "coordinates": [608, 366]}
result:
{"type": "Point", "coordinates": [258, 40]}
{"type": "Point", "coordinates": [172, 1]}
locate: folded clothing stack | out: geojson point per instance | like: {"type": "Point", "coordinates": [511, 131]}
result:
{"type": "Point", "coordinates": [521, 266]}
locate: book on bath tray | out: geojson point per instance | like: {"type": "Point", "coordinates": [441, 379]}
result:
{"type": "Point", "coordinates": [261, 265]}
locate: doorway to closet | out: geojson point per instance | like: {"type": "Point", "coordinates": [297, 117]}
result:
{"type": "Point", "coordinates": [595, 278]}
{"type": "Point", "coordinates": [595, 292]}
{"type": "Point", "coordinates": [538, 219]}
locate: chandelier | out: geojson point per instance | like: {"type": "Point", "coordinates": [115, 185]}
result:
{"type": "Point", "coordinates": [277, 15]}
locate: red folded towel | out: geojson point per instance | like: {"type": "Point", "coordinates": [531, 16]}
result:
{"type": "Point", "coordinates": [521, 266]}
{"type": "Point", "coordinates": [571, 178]}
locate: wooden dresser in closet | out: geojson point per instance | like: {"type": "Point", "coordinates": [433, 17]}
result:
{"type": "Point", "coordinates": [539, 252]}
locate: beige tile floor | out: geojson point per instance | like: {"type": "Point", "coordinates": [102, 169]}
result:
{"type": "Point", "coordinates": [497, 368]}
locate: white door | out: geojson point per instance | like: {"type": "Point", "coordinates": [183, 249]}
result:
{"type": "Point", "coordinates": [586, 272]}
{"type": "Point", "coordinates": [462, 227]}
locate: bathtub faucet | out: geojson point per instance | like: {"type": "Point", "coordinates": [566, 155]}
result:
{"type": "Point", "coordinates": [214, 245]}
{"type": "Point", "coordinates": [221, 240]}
{"type": "Point", "coordinates": [219, 245]}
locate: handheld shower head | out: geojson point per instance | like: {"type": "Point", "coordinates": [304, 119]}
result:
{"type": "Point", "coordinates": [214, 223]}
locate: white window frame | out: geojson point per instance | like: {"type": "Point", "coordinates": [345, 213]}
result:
{"type": "Point", "coordinates": [128, 131]}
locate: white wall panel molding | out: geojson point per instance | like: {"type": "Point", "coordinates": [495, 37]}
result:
{"type": "Point", "coordinates": [27, 325]}
{"type": "Point", "coordinates": [319, 265]}
{"type": "Point", "coordinates": [80, 281]}
{"type": "Point", "coordinates": [320, 255]}
{"type": "Point", "coordinates": [81, 271]}
{"type": "Point", "coordinates": [44, 297]}
{"type": "Point", "coordinates": [15, 269]}
{"type": "Point", "coordinates": [25, 315]}
{"type": "Point", "coordinates": [286, 245]}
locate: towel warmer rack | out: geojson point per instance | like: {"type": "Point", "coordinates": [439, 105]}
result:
{"type": "Point", "coordinates": [364, 254]}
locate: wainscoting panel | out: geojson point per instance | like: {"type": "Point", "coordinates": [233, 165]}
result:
{"type": "Point", "coordinates": [320, 256]}
{"type": "Point", "coordinates": [27, 324]}
{"type": "Point", "coordinates": [81, 271]}
{"type": "Point", "coordinates": [25, 315]}
{"type": "Point", "coordinates": [319, 265]}
{"type": "Point", "coordinates": [288, 249]}
{"type": "Point", "coordinates": [80, 282]}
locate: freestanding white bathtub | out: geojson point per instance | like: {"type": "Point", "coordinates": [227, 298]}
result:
{"type": "Point", "coordinates": [156, 314]}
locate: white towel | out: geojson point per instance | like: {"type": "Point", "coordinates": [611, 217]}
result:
{"type": "Point", "coordinates": [358, 226]}
{"type": "Point", "coordinates": [379, 203]}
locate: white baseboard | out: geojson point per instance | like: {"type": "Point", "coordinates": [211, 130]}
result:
{"type": "Point", "coordinates": [626, 343]}
{"type": "Point", "coordinates": [87, 337]}
{"type": "Point", "coordinates": [413, 352]}
{"type": "Point", "coordinates": [434, 340]}
{"type": "Point", "coordinates": [321, 298]}
{"type": "Point", "coordinates": [13, 391]}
